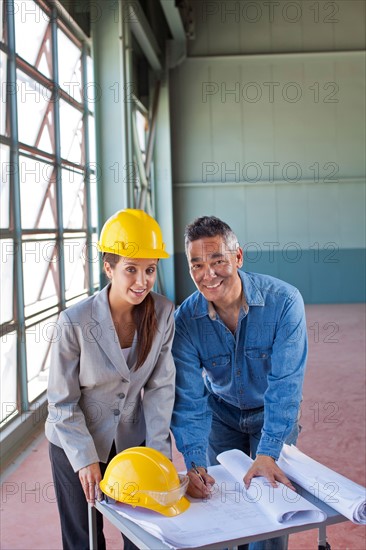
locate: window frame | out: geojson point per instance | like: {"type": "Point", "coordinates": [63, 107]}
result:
{"type": "Point", "coordinates": [59, 20]}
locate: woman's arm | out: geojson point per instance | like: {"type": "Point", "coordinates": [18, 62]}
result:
{"type": "Point", "coordinates": [66, 424]}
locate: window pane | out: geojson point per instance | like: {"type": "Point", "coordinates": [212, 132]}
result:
{"type": "Point", "coordinates": [141, 125]}
{"type": "Point", "coordinates": [90, 89]}
{"type": "Point", "coordinates": [40, 262]}
{"type": "Point", "coordinates": [39, 338]}
{"type": "Point", "coordinates": [73, 199]}
{"type": "Point", "coordinates": [37, 193]}
{"type": "Point", "coordinates": [2, 23]}
{"type": "Point", "coordinates": [93, 200]}
{"type": "Point", "coordinates": [75, 266]}
{"type": "Point", "coordinates": [71, 133]}
{"type": "Point", "coordinates": [76, 300]}
{"type": "Point", "coordinates": [4, 186]}
{"type": "Point", "coordinates": [31, 40]}
{"type": "Point", "coordinates": [3, 89]}
{"type": "Point", "coordinates": [95, 259]}
{"type": "Point", "coordinates": [92, 155]}
{"type": "Point", "coordinates": [8, 387]}
{"type": "Point", "coordinates": [6, 277]}
{"type": "Point", "coordinates": [35, 113]}
{"type": "Point", "coordinates": [69, 66]}
{"type": "Point", "coordinates": [92, 255]}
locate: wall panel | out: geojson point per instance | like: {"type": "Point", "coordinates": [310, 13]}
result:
{"type": "Point", "coordinates": [312, 235]}
{"type": "Point", "coordinates": [268, 126]}
{"type": "Point", "coordinates": [245, 26]}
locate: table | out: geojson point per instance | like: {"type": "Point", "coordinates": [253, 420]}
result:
{"type": "Point", "coordinates": [146, 541]}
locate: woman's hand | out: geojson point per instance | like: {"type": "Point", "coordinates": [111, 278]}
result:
{"type": "Point", "coordinates": [90, 476]}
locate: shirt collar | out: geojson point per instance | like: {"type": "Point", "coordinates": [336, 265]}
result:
{"type": "Point", "coordinates": [212, 313]}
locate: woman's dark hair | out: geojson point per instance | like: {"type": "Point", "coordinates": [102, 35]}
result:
{"type": "Point", "coordinates": [144, 317]}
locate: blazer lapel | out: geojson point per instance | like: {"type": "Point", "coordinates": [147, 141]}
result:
{"type": "Point", "coordinates": [105, 333]}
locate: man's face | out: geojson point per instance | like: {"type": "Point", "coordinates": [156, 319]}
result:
{"type": "Point", "coordinates": [214, 269]}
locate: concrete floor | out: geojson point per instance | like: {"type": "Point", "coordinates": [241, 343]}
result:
{"type": "Point", "coordinates": [333, 420]}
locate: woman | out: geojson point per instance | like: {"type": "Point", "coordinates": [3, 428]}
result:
{"type": "Point", "coordinates": [109, 348]}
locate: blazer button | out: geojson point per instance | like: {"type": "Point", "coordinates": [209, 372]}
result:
{"type": "Point", "coordinates": [116, 412]}
{"type": "Point", "coordinates": [121, 395]}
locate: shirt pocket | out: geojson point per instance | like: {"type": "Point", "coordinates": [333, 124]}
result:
{"type": "Point", "coordinates": [258, 363]}
{"type": "Point", "coordinates": [218, 369]}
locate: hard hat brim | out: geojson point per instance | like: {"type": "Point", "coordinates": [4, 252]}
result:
{"type": "Point", "coordinates": [175, 509]}
{"type": "Point", "coordinates": [169, 511]}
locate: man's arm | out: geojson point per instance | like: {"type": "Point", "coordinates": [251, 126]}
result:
{"type": "Point", "coordinates": [191, 420]}
{"type": "Point", "coordinates": [284, 393]}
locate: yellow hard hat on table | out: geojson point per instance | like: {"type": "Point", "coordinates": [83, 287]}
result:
{"type": "Point", "coordinates": [141, 476]}
{"type": "Point", "coordinates": [132, 233]}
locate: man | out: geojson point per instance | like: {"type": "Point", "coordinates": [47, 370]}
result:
{"type": "Point", "coordinates": [240, 350]}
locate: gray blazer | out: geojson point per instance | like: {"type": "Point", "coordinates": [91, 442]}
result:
{"type": "Point", "coordinates": [95, 397]}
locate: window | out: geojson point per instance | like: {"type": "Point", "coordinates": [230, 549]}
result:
{"type": "Point", "coordinates": [48, 190]}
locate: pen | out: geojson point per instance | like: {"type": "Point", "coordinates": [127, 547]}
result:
{"type": "Point", "coordinates": [197, 472]}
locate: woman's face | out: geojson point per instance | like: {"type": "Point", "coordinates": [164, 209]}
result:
{"type": "Point", "coordinates": [132, 278]}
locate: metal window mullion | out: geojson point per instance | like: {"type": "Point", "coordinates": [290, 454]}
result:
{"type": "Point", "coordinates": [57, 134]}
{"type": "Point", "coordinates": [38, 77]}
{"type": "Point", "coordinates": [89, 229]}
{"type": "Point", "coordinates": [143, 183]}
{"type": "Point", "coordinates": [43, 156]}
{"type": "Point", "coordinates": [22, 389]}
{"type": "Point", "coordinates": [127, 81]}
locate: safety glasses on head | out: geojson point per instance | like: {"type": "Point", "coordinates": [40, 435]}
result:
{"type": "Point", "coordinates": [167, 498]}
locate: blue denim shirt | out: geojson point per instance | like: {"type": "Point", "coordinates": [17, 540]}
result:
{"type": "Point", "coordinates": [263, 364]}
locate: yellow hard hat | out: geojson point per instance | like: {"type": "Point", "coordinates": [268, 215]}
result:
{"type": "Point", "coordinates": [132, 233]}
{"type": "Point", "coordinates": [141, 476]}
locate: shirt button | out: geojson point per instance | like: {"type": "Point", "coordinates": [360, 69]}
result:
{"type": "Point", "coordinates": [116, 412]}
{"type": "Point", "coordinates": [238, 372]}
{"type": "Point", "coordinates": [121, 395]}
{"type": "Point", "coordinates": [213, 364]}
{"type": "Point", "coordinates": [264, 355]}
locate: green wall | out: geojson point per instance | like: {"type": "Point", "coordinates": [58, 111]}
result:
{"type": "Point", "coordinates": [316, 275]}
{"type": "Point", "coordinates": [269, 135]}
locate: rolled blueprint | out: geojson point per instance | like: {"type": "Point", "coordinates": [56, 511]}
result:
{"type": "Point", "coordinates": [337, 491]}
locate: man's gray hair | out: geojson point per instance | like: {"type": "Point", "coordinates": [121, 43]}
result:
{"type": "Point", "coordinates": [210, 226]}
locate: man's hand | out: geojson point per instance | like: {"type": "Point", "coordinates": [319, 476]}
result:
{"type": "Point", "coordinates": [266, 466]}
{"type": "Point", "coordinates": [199, 485]}
{"type": "Point", "coordinates": [90, 477]}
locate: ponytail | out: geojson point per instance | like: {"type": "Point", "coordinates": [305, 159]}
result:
{"type": "Point", "coordinates": [146, 323]}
